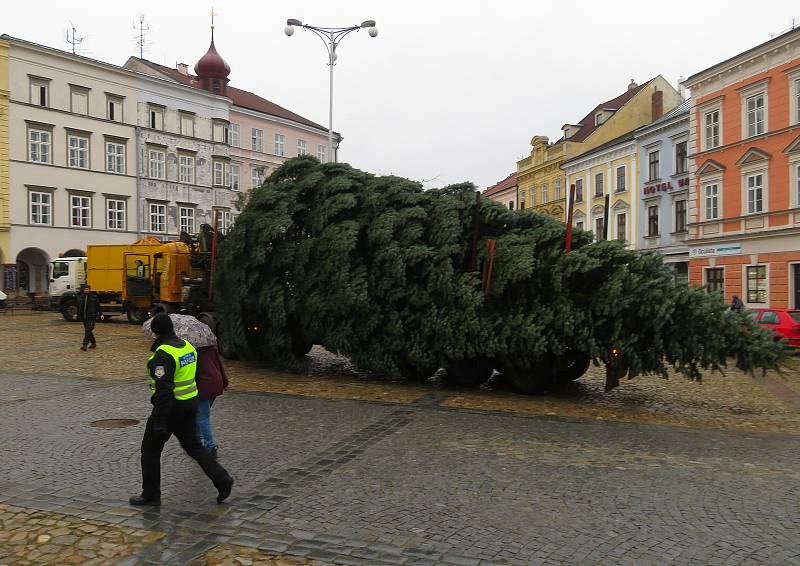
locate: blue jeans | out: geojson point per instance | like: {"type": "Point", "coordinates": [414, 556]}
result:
{"type": "Point", "coordinates": [204, 422]}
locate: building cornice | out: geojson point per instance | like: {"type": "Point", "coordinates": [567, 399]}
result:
{"type": "Point", "coordinates": [283, 121]}
{"type": "Point", "coordinates": [610, 154]}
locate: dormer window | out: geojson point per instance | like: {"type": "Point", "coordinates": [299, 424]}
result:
{"type": "Point", "coordinates": [570, 130]}
{"type": "Point", "coordinates": [598, 118]}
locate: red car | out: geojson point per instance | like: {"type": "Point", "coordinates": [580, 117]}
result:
{"type": "Point", "coordinates": [783, 322]}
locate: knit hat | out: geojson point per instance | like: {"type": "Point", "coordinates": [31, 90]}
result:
{"type": "Point", "coordinates": [162, 325]}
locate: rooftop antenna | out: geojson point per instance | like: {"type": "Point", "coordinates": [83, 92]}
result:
{"type": "Point", "coordinates": [143, 30]}
{"type": "Point", "coordinates": [795, 24]}
{"type": "Point", "coordinates": [74, 40]}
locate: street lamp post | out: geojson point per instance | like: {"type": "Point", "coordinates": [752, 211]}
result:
{"type": "Point", "coordinates": [331, 37]}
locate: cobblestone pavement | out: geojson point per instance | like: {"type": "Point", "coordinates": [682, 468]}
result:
{"type": "Point", "coordinates": [42, 343]}
{"type": "Point", "coordinates": [345, 481]}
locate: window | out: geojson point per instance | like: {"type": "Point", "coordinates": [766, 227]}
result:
{"type": "Point", "coordinates": [115, 157]}
{"type": "Point", "coordinates": [158, 217]}
{"type": "Point", "coordinates": [579, 190]}
{"type": "Point", "coordinates": [653, 159]}
{"type": "Point", "coordinates": [680, 215]}
{"type": "Point", "coordinates": [186, 219]}
{"type": "Point", "coordinates": [234, 177]}
{"type": "Point", "coordinates": [233, 130]}
{"type": "Point", "coordinates": [187, 125]}
{"type": "Point", "coordinates": [797, 101]}
{"type": "Point", "coordinates": [39, 145]}
{"type": "Point", "coordinates": [622, 229]}
{"type": "Point", "coordinates": [768, 317]}
{"type": "Point", "coordinates": [156, 118]}
{"type": "Point", "coordinates": [545, 195]}
{"type": "Point", "coordinates": [78, 149]}
{"type": "Point", "coordinates": [80, 211]}
{"type": "Point", "coordinates": [257, 140]}
{"type": "Point", "coordinates": [797, 184]}
{"type": "Point", "coordinates": [599, 231]}
{"type": "Point", "coordinates": [41, 208]}
{"type": "Point", "coordinates": [322, 153]}
{"type": "Point", "coordinates": [279, 144]}
{"type": "Point", "coordinates": [115, 214]}
{"type": "Point", "coordinates": [224, 220]}
{"type": "Point", "coordinates": [579, 225]}
{"type": "Point", "coordinates": [40, 90]}
{"type": "Point", "coordinates": [511, 205]}
{"type": "Point", "coordinates": [558, 189]}
{"type": "Point", "coordinates": [712, 201]}
{"type": "Point", "coordinates": [711, 125]}
{"type": "Point", "coordinates": [533, 196]}
{"type": "Point", "coordinates": [755, 193]}
{"type": "Point", "coordinates": [715, 279]}
{"type": "Point", "coordinates": [256, 176]}
{"type": "Point", "coordinates": [522, 201]}
{"type": "Point", "coordinates": [79, 100]}
{"type": "Point", "coordinates": [598, 185]}
{"type": "Point", "coordinates": [598, 118]}
{"type": "Point", "coordinates": [754, 107]}
{"type": "Point", "coordinates": [186, 168]}
{"type": "Point", "coordinates": [681, 158]}
{"type": "Point", "coordinates": [301, 147]}
{"type": "Point", "coordinates": [156, 159]}
{"type": "Point", "coordinates": [114, 108]}
{"type": "Point", "coordinates": [621, 178]}
{"type": "Point", "coordinates": [221, 133]}
{"type": "Point", "coordinates": [652, 220]}
{"type": "Point", "coordinates": [219, 173]}
{"type": "Point", "coordinates": [757, 284]}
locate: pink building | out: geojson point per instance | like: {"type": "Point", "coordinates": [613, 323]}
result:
{"type": "Point", "coordinates": [504, 192]}
{"type": "Point", "coordinates": [262, 134]}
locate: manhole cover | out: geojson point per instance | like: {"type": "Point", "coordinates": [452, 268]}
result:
{"type": "Point", "coordinates": [113, 423]}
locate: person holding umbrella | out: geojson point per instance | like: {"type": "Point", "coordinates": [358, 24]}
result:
{"type": "Point", "coordinates": [211, 377]}
{"type": "Point", "coordinates": [172, 369]}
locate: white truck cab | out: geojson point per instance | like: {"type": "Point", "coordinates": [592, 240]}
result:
{"type": "Point", "coordinates": [67, 274]}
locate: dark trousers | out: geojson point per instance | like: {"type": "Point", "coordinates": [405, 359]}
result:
{"type": "Point", "coordinates": [183, 424]}
{"type": "Point", "coordinates": [88, 335]}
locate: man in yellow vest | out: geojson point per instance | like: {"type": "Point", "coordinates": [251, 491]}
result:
{"type": "Point", "coordinates": [172, 369]}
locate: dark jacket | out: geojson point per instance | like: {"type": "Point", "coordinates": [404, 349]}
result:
{"type": "Point", "coordinates": [211, 377]}
{"type": "Point", "coordinates": [162, 371]}
{"type": "Point", "coordinates": [88, 306]}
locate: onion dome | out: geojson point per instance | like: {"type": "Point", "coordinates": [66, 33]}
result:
{"type": "Point", "coordinates": [212, 65]}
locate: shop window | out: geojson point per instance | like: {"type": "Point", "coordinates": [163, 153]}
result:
{"type": "Point", "coordinates": [757, 284]}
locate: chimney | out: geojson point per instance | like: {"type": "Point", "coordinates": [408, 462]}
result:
{"type": "Point", "coordinates": [183, 69]}
{"type": "Point", "coordinates": [632, 85]}
{"type": "Point", "coordinates": [657, 105]}
{"type": "Point", "coordinates": [681, 88]}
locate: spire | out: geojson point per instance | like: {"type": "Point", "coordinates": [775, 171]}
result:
{"type": "Point", "coordinates": [211, 69]}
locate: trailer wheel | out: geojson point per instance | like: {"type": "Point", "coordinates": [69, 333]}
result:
{"type": "Point", "coordinates": [572, 365]}
{"type": "Point", "coordinates": [136, 315]}
{"type": "Point", "coordinates": [469, 373]}
{"type": "Point", "coordinates": [530, 380]}
{"type": "Point", "coordinates": [69, 310]}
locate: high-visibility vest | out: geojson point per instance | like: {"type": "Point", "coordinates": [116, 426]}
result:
{"type": "Point", "coordinates": [185, 370]}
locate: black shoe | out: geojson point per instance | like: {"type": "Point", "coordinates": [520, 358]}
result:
{"type": "Point", "coordinates": [92, 346]}
{"type": "Point", "coordinates": [225, 491]}
{"type": "Point", "coordinates": [142, 500]}
{"type": "Point", "coordinates": [213, 452]}
{"type": "Point", "coordinates": [83, 348]}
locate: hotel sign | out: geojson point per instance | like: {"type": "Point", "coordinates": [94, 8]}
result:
{"type": "Point", "coordinates": [712, 251]}
{"type": "Point", "coordinates": [665, 187]}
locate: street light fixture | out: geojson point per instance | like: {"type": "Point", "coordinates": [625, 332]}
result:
{"type": "Point", "coordinates": [331, 37]}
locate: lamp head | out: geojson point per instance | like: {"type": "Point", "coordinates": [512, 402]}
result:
{"type": "Point", "coordinates": [368, 24]}
{"type": "Point", "coordinates": [373, 31]}
{"type": "Point", "coordinates": [289, 30]}
{"type": "Point", "coordinates": [293, 22]}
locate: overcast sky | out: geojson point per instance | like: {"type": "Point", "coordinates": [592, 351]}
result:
{"type": "Point", "coordinates": [449, 90]}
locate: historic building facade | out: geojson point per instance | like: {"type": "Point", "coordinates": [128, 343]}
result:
{"type": "Point", "coordinates": [5, 219]}
{"type": "Point", "coordinates": [71, 159]}
{"type": "Point", "coordinates": [504, 192]}
{"type": "Point", "coordinates": [744, 147]}
{"type": "Point", "coordinates": [602, 158]}
{"type": "Point", "coordinates": [662, 187]}
{"type": "Point", "coordinates": [541, 180]}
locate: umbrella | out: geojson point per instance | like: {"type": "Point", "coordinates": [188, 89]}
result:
{"type": "Point", "coordinates": [189, 328]}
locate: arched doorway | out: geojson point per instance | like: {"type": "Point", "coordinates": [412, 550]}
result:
{"type": "Point", "coordinates": [74, 253]}
{"type": "Point", "coordinates": [32, 271]}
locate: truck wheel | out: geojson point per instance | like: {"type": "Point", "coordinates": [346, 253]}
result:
{"type": "Point", "coordinates": [572, 365]}
{"type": "Point", "coordinates": [137, 315]}
{"type": "Point", "coordinates": [469, 373]}
{"type": "Point", "coordinates": [69, 310]}
{"type": "Point", "coordinates": [530, 380]}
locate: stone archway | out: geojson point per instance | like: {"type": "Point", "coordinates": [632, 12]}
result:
{"type": "Point", "coordinates": [32, 265]}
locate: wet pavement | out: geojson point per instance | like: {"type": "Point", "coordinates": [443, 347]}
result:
{"type": "Point", "coordinates": [336, 467]}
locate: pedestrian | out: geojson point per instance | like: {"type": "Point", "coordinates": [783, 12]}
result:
{"type": "Point", "coordinates": [88, 311]}
{"type": "Point", "coordinates": [172, 369]}
{"type": "Point", "coordinates": [736, 304]}
{"type": "Point", "coordinates": [211, 383]}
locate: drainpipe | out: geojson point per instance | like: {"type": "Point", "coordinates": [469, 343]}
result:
{"type": "Point", "coordinates": [139, 218]}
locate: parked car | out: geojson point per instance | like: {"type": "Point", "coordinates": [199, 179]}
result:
{"type": "Point", "coordinates": [785, 323]}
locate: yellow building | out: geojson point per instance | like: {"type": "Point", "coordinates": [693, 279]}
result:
{"type": "Point", "coordinates": [5, 223]}
{"type": "Point", "coordinates": [541, 180]}
{"type": "Point", "coordinates": [601, 157]}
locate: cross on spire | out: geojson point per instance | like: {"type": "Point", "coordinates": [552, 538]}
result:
{"type": "Point", "coordinates": [212, 14]}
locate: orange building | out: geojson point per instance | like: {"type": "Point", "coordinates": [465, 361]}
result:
{"type": "Point", "coordinates": [744, 146]}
